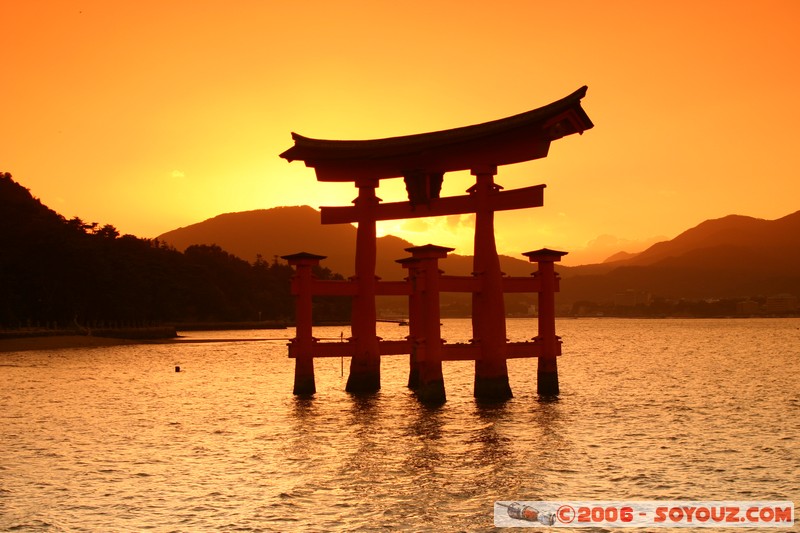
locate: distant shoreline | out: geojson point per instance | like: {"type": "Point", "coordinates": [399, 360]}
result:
{"type": "Point", "coordinates": [60, 342]}
{"type": "Point", "coordinates": [41, 339]}
{"type": "Point", "coordinates": [136, 332]}
{"type": "Point", "coordinates": [26, 339]}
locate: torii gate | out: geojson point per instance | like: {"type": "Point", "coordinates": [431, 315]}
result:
{"type": "Point", "coordinates": [422, 160]}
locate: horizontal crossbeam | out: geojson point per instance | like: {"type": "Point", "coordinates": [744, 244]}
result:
{"type": "Point", "coordinates": [404, 288]}
{"type": "Point", "coordinates": [350, 288]}
{"type": "Point", "coordinates": [453, 205]}
{"type": "Point", "coordinates": [450, 352]}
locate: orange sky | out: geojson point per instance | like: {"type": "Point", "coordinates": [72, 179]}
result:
{"type": "Point", "coordinates": [155, 114]}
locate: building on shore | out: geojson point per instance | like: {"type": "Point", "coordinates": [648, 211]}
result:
{"type": "Point", "coordinates": [780, 304]}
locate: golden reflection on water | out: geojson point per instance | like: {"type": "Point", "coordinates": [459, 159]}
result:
{"type": "Point", "coordinates": [113, 438]}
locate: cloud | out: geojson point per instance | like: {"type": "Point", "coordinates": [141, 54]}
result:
{"type": "Point", "coordinates": [456, 223]}
{"type": "Point", "coordinates": [452, 224]}
{"type": "Point", "coordinates": [455, 231]}
{"type": "Point", "coordinates": [607, 241]}
{"type": "Point", "coordinates": [178, 174]}
{"type": "Point", "coordinates": [604, 246]}
{"type": "Point", "coordinates": [415, 225]}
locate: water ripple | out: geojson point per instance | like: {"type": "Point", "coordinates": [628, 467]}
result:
{"type": "Point", "coordinates": [114, 439]}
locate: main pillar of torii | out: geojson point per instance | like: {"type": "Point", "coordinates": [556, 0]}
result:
{"type": "Point", "coordinates": [422, 160]}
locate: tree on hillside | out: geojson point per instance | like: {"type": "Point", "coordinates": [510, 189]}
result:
{"type": "Point", "coordinates": [60, 272]}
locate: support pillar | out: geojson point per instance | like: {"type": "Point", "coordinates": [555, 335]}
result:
{"type": "Point", "coordinates": [488, 308]}
{"type": "Point", "coordinates": [303, 340]}
{"type": "Point", "coordinates": [431, 381]}
{"type": "Point", "coordinates": [365, 365]}
{"type": "Point", "coordinates": [547, 366]}
{"type": "Point", "coordinates": [415, 312]}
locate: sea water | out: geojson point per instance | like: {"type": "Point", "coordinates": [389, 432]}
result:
{"type": "Point", "coordinates": [113, 439]}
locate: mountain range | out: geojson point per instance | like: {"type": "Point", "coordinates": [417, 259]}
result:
{"type": "Point", "coordinates": [285, 230]}
{"type": "Point", "coordinates": [730, 257]}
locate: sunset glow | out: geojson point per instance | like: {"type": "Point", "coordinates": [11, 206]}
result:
{"type": "Point", "coordinates": [155, 115]}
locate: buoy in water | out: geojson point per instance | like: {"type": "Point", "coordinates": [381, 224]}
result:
{"type": "Point", "coordinates": [177, 369]}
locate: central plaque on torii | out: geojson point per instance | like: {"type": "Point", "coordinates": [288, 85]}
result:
{"type": "Point", "coordinates": [422, 160]}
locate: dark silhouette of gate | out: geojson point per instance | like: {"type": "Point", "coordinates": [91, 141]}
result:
{"type": "Point", "coordinates": [422, 161]}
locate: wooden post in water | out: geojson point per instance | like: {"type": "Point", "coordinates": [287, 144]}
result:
{"type": "Point", "coordinates": [303, 340]}
{"type": "Point", "coordinates": [488, 308]}
{"type": "Point", "coordinates": [547, 366]}
{"type": "Point", "coordinates": [365, 365]}
{"type": "Point", "coordinates": [415, 320]}
{"type": "Point", "coordinates": [431, 381]}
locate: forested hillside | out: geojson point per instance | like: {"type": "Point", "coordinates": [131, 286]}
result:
{"type": "Point", "coordinates": [56, 272]}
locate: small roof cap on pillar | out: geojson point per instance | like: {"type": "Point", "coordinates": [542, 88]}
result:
{"type": "Point", "coordinates": [407, 261]}
{"type": "Point", "coordinates": [429, 251]}
{"type": "Point", "coordinates": [304, 257]}
{"type": "Point", "coordinates": [544, 254]}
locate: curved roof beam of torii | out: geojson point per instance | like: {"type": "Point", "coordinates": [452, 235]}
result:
{"type": "Point", "coordinates": [505, 141]}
